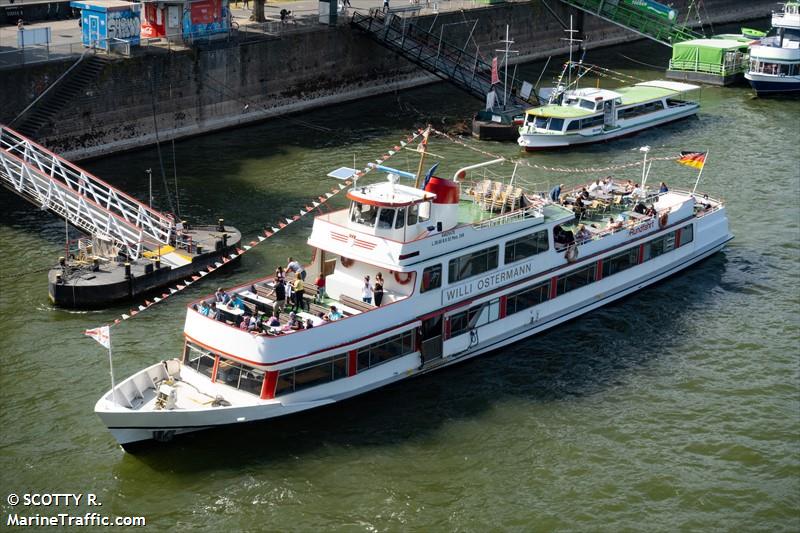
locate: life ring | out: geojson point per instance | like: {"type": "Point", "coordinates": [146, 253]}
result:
{"type": "Point", "coordinates": [663, 219]}
{"type": "Point", "coordinates": [345, 261]}
{"type": "Point", "coordinates": [403, 278]}
{"type": "Point", "coordinates": [572, 253]}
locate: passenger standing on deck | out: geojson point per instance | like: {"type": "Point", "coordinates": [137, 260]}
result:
{"type": "Point", "coordinates": [663, 188]}
{"type": "Point", "coordinates": [377, 289]}
{"type": "Point", "coordinates": [279, 291]}
{"type": "Point", "coordinates": [295, 267]}
{"type": "Point", "coordinates": [320, 283]}
{"type": "Point", "coordinates": [555, 192]}
{"type": "Point", "coordinates": [366, 291]}
{"type": "Point", "coordinates": [385, 6]}
{"type": "Point", "coordinates": [297, 293]}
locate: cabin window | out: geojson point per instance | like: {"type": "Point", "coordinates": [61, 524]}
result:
{"type": "Point", "coordinates": [472, 264]}
{"type": "Point", "coordinates": [573, 125]}
{"type": "Point", "coordinates": [519, 301]}
{"type": "Point", "coordinates": [424, 211]}
{"type": "Point", "coordinates": [556, 124]}
{"type": "Point", "coordinates": [400, 221]}
{"type": "Point", "coordinates": [659, 246]}
{"type": "Point", "coordinates": [413, 214]}
{"type": "Point", "coordinates": [363, 214]}
{"type": "Point", "coordinates": [619, 262]}
{"type": "Point", "coordinates": [474, 317]}
{"type": "Point", "coordinates": [541, 122]}
{"type": "Point", "coordinates": [587, 104]}
{"type": "Point", "coordinates": [239, 376]}
{"type": "Point", "coordinates": [431, 278]}
{"type": "Point", "coordinates": [386, 218]}
{"type": "Point", "coordinates": [311, 374]}
{"type": "Point", "coordinates": [385, 350]}
{"type": "Point", "coordinates": [526, 246]}
{"type": "Point", "coordinates": [199, 359]}
{"type": "Point", "coordinates": [687, 234]}
{"type": "Point", "coordinates": [576, 279]}
{"type": "Point", "coordinates": [592, 121]}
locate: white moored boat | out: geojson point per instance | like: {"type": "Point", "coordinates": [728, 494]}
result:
{"type": "Point", "coordinates": [468, 268]}
{"type": "Point", "coordinates": [589, 115]}
{"type": "Point", "coordinates": [775, 61]}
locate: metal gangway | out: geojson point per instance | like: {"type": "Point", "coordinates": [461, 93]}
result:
{"type": "Point", "coordinates": [637, 20]}
{"type": "Point", "coordinates": [463, 68]}
{"type": "Point", "coordinates": [85, 201]}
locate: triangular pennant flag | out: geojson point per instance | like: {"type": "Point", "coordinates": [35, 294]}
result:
{"type": "Point", "coordinates": [195, 278]}
{"type": "Point", "coordinates": [181, 287]}
{"type": "Point", "coordinates": [210, 268]}
{"type": "Point", "coordinates": [172, 291]}
{"type": "Point", "coordinates": [303, 212]}
{"type": "Point", "coordinates": [397, 148]}
{"type": "Point", "coordinates": [288, 220]}
{"type": "Point", "coordinates": [203, 273]}
{"type": "Point", "coordinates": [328, 195]}
{"type": "Point", "coordinates": [246, 247]}
{"type": "Point", "coordinates": [239, 251]}
{"type": "Point", "coordinates": [253, 243]}
{"type": "Point", "coordinates": [165, 295]}
{"type": "Point", "coordinates": [334, 191]}
{"type": "Point", "coordinates": [315, 204]}
{"type": "Point", "coordinates": [348, 182]}
{"type": "Point", "coordinates": [117, 321]}
{"type": "Point", "coordinates": [217, 264]}
{"type": "Point", "coordinates": [142, 308]}
{"type": "Point", "coordinates": [125, 317]}
{"type": "Point", "coordinates": [101, 335]}
{"type": "Point", "coordinates": [234, 256]}
{"type": "Point", "coordinates": [225, 259]}
{"type": "Point", "coordinates": [402, 143]}
{"type": "Point", "coordinates": [391, 152]}
{"type": "Point", "coordinates": [148, 303]}
{"type": "Point", "coordinates": [296, 217]}
{"type": "Point", "coordinates": [134, 312]}
{"type": "Point", "coordinates": [307, 208]}
{"type": "Point", "coordinates": [156, 299]}
{"type": "Point", "coordinates": [322, 199]}
{"type": "Point", "coordinates": [262, 239]}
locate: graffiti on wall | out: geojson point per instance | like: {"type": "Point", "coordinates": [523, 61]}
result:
{"type": "Point", "coordinates": [123, 25]}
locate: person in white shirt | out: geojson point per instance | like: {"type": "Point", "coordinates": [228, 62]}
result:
{"type": "Point", "coordinates": [637, 191]}
{"type": "Point", "coordinates": [608, 185]}
{"type": "Point", "coordinates": [366, 291]}
{"type": "Point", "coordinates": [296, 268]}
{"type": "Point", "coordinates": [594, 186]}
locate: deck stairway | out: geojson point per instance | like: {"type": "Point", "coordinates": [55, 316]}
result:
{"type": "Point", "coordinates": [86, 202]}
{"type": "Point", "coordinates": [658, 29]}
{"type": "Point", "coordinates": [464, 69]}
{"type": "Point", "coordinates": [59, 96]}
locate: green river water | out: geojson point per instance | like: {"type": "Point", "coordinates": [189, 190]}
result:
{"type": "Point", "coordinates": [677, 408]}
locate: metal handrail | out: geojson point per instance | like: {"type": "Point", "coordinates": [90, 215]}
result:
{"type": "Point", "coordinates": [49, 88]}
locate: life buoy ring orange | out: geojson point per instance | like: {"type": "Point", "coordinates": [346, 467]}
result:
{"type": "Point", "coordinates": [403, 278]}
{"type": "Point", "coordinates": [346, 261]}
{"type": "Point", "coordinates": [572, 253]}
{"type": "Point", "coordinates": [662, 220]}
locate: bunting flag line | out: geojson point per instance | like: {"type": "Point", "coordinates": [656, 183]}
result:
{"type": "Point", "coordinates": [268, 232]}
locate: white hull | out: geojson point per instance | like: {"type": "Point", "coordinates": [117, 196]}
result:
{"type": "Point", "coordinates": [542, 141]}
{"type": "Point", "coordinates": [130, 425]}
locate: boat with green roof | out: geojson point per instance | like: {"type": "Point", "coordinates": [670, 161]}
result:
{"type": "Point", "coordinates": [589, 115]}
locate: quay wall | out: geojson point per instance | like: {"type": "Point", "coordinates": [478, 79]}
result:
{"type": "Point", "coordinates": [191, 92]}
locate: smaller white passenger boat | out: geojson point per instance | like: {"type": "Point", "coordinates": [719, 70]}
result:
{"type": "Point", "coordinates": [590, 115]}
{"type": "Point", "coordinates": [775, 61]}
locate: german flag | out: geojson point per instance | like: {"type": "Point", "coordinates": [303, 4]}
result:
{"type": "Point", "coordinates": [693, 159]}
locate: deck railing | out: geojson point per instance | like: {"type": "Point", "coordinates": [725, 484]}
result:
{"type": "Point", "coordinates": [726, 68]}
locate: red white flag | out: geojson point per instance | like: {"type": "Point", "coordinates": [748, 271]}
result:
{"type": "Point", "coordinates": [101, 335]}
{"type": "Point", "coordinates": [495, 75]}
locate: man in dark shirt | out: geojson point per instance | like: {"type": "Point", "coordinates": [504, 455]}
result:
{"type": "Point", "coordinates": [279, 291]}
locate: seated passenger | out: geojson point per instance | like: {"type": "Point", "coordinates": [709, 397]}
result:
{"type": "Point", "coordinates": [218, 294]}
{"type": "Point", "coordinates": [273, 321]}
{"type": "Point", "coordinates": [640, 208]}
{"type": "Point", "coordinates": [309, 324]}
{"type": "Point", "coordinates": [614, 225]}
{"type": "Point", "coordinates": [245, 323]}
{"type": "Point", "coordinates": [651, 211]}
{"type": "Point", "coordinates": [215, 313]}
{"type": "Point", "coordinates": [583, 234]}
{"type": "Point", "coordinates": [237, 302]}
{"type": "Point", "coordinates": [334, 314]}
{"type": "Point", "coordinates": [294, 322]}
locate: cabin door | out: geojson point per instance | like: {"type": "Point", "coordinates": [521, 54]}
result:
{"type": "Point", "coordinates": [431, 338]}
{"type": "Point", "coordinates": [609, 114]}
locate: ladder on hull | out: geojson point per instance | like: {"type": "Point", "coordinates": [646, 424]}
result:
{"type": "Point", "coordinates": [634, 19]}
{"type": "Point", "coordinates": [88, 203]}
{"type": "Point", "coordinates": [464, 69]}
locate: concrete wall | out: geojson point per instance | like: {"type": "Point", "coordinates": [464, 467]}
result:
{"type": "Point", "coordinates": [203, 90]}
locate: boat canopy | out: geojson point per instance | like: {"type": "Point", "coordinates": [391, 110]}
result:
{"type": "Point", "coordinates": [710, 51]}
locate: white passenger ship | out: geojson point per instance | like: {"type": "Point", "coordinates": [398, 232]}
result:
{"type": "Point", "coordinates": [468, 268]}
{"type": "Point", "coordinates": [775, 60]}
{"type": "Point", "coordinates": [592, 115]}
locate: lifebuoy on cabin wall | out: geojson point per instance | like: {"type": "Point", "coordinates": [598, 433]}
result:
{"type": "Point", "coordinates": [663, 219]}
{"type": "Point", "coordinates": [403, 278]}
{"type": "Point", "coordinates": [345, 261]}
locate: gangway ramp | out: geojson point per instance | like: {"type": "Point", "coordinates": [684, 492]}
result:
{"type": "Point", "coordinates": [85, 201]}
{"type": "Point", "coordinates": [463, 68]}
{"type": "Point", "coordinates": [637, 20]}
